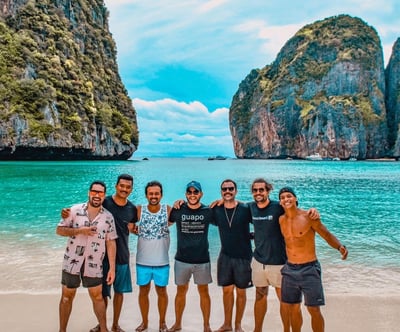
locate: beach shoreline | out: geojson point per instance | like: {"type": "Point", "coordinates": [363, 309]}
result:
{"type": "Point", "coordinates": [342, 312]}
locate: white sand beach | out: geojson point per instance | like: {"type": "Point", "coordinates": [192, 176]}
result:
{"type": "Point", "coordinates": [344, 312]}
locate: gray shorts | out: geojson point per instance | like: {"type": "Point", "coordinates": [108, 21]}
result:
{"type": "Point", "coordinates": [299, 279]}
{"type": "Point", "coordinates": [201, 273]}
{"type": "Point", "coordinates": [74, 280]}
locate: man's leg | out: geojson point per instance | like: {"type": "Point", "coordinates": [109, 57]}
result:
{"type": "Point", "coordinates": [296, 318]}
{"type": "Point", "coordinates": [180, 303]}
{"type": "Point", "coordinates": [260, 307]}
{"type": "Point", "coordinates": [284, 311]}
{"type": "Point", "coordinates": [65, 306]}
{"type": "Point", "coordinates": [99, 306]}
{"type": "Point", "coordinates": [240, 306]}
{"type": "Point", "coordinates": [117, 307]}
{"type": "Point", "coordinates": [205, 305]}
{"type": "Point", "coordinates": [144, 306]}
{"type": "Point", "coordinates": [228, 301]}
{"type": "Point", "coordinates": [317, 320]}
{"type": "Point", "coordinates": [162, 306]}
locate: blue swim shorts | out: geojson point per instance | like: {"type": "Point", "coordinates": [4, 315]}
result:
{"type": "Point", "coordinates": [159, 274]}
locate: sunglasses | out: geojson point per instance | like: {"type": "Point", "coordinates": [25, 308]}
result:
{"type": "Point", "coordinates": [192, 192]}
{"type": "Point", "coordinates": [96, 192]}
{"type": "Point", "coordinates": [227, 189]}
{"type": "Point", "coordinates": [255, 190]}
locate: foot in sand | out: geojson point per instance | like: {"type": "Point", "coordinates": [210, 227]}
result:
{"type": "Point", "coordinates": [224, 328]}
{"type": "Point", "coordinates": [174, 328]}
{"type": "Point", "coordinates": [163, 328]}
{"type": "Point", "coordinates": [141, 328]}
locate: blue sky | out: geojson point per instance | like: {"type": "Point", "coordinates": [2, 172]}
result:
{"type": "Point", "coordinates": [183, 60]}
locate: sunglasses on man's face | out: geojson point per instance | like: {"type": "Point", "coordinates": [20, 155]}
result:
{"type": "Point", "coordinates": [192, 192]}
{"type": "Point", "coordinates": [96, 192]}
{"type": "Point", "coordinates": [256, 190]}
{"type": "Point", "coordinates": [227, 189]}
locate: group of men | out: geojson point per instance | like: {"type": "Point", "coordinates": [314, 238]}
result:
{"type": "Point", "coordinates": [284, 255]}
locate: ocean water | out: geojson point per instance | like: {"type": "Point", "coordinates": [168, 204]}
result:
{"type": "Point", "coordinates": [358, 201]}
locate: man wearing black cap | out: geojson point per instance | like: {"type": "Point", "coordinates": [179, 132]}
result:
{"type": "Point", "coordinates": [192, 256]}
{"type": "Point", "coordinates": [302, 272]}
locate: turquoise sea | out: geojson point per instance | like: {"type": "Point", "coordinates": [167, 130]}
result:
{"type": "Point", "coordinates": [358, 201]}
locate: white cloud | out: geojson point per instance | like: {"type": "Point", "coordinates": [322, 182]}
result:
{"type": "Point", "coordinates": [224, 40]}
{"type": "Point", "coordinates": [169, 127]}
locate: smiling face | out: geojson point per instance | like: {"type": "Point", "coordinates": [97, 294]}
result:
{"type": "Point", "coordinates": [123, 188]}
{"type": "Point", "coordinates": [260, 193]}
{"type": "Point", "coordinates": [228, 190]}
{"type": "Point", "coordinates": [96, 195]}
{"type": "Point", "coordinates": [287, 200]}
{"type": "Point", "coordinates": [153, 195]}
{"type": "Point", "coordinates": [193, 197]}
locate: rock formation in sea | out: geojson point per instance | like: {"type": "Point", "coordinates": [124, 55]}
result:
{"type": "Point", "coordinates": [61, 95]}
{"type": "Point", "coordinates": [324, 93]}
{"type": "Point", "coordinates": [393, 99]}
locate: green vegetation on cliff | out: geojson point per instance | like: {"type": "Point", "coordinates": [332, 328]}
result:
{"type": "Point", "coordinates": [58, 60]}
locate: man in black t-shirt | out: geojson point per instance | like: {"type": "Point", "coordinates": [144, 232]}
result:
{"type": "Point", "coordinates": [233, 270]}
{"type": "Point", "coordinates": [192, 257]}
{"type": "Point", "coordinates": [269, 254]}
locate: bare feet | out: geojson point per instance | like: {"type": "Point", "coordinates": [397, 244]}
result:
{"type": "Point", "coordinates": [141, 328]}
{"type": "Point", "coordinates": [174, 328]}
{"type": "Point", "coordinates": [224, 328]}
{"type": "Point", "coordinates": [163, 328]}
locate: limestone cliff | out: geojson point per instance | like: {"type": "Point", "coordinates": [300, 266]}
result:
{"type": "Point", "coordinates": [61, 96]}
{"type": "Point", "coordinates": [393, 99]}
{"type": "Point", "coordinates": [324, 93]}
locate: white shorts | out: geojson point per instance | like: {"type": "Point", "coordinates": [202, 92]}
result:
{"type": "Point", "coordinates": [266, 275]}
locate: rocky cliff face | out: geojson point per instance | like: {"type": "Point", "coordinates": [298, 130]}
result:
{"type": "Point", "coordinates": [60, 90]}
{"type": "Point", "coordinates": [324, 93]}
{"type": "Point", "coordinates": [393, 99]}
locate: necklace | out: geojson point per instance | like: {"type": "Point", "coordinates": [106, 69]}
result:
{"type": "Point", "coordinates": [231, 218]}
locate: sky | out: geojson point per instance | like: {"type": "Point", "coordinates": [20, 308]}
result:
{"type": "Point", "coordinates": [182, 61]}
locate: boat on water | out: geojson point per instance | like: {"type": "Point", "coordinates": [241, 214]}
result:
{"type": "Point", "coordinates": [314, 157]}
{"type": "Point", "coordinates": [217, 158]}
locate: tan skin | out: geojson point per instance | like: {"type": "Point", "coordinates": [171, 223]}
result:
{"type": "Point", "coordinates": [193, 197]}
{"type": "Point", "coordinates": [260, 194]}
{"type": "Point", "coordinates": [299, 231]}
{"type": "Point", "coordinates": [228, 291]}
{"type": "Point", "coordinates": [123, 189]}
{"type": "Point", "coordinates": [153, 195]}
{"type": "Point", "coordinates": [68, 294]}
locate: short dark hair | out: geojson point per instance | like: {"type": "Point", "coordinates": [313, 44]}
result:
{"type": "Point", "coordinates": [101, 183]}
{"type": "Point", "coordinates": [153, 183]}
{"type": "Point", "coordinates": [125, 177]}
{"type": "Point", "coordinates": [268, 185]}
{"type": "Point", "coordinates": [229, 180]}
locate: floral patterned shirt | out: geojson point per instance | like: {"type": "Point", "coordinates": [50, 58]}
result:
{"type": "Point", "coordinates": [87, 250]}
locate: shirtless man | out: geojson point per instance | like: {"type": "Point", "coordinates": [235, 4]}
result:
{"type": "Point", "coordinates": [302, 271]}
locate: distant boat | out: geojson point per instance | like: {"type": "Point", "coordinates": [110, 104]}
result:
{"type": "Point", "coordinates": [353, 159]}
{"type": "Point", "coordinates": [314, 157]}
{"type": "Point", "coordinates": [336, 159]}
{"type": "Point", "coordinates": [217, 158]}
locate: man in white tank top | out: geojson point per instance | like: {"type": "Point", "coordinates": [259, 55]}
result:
{"type": "Point", "coordinates": [152, 259]}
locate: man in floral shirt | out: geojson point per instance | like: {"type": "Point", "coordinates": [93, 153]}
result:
{"type": "Point", "coordinates": [90, 229]}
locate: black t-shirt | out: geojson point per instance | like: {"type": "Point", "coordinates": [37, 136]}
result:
{"type": "Point", "coordinates": [234, 230]}
{"type": "Point", "coordinates": [192, 233]}
{"type": "Point", "coordinates": [122, 216]}
{"type": "Point", "coordinates": [268, 240]}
